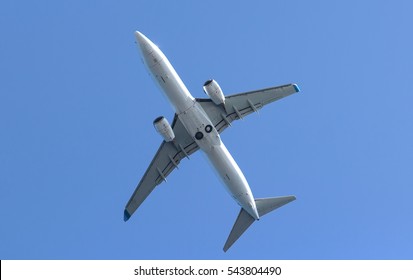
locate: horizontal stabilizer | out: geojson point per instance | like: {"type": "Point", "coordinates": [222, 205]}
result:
{"type": "Point", "coordinates": [242, 223]}
{"type": "Point", "coordinates": [244, 220]}
{"type": "Point", "coordinates": [266, 205]}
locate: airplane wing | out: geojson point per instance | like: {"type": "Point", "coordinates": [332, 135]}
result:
{"type": "Point", "coordinates": [240, 105]}
{"type": "Point", "coordinates": [165, 161]}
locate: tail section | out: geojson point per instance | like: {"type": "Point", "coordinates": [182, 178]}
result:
{"type": "Point", "coordinates": [242, 223]}
{"type": "Point", "coordinates": [266, 205]}
{"type": "Point", "coordinates": [244, 220]}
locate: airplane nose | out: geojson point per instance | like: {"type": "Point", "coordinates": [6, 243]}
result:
{"type": "Point", "coordinates": [151, 54]}
{"type": "Point", "coordinates": [143, 42]}
{"type": "Point", "coordinates": [139, 37]}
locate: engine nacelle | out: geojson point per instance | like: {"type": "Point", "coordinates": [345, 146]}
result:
{"type": "Point", "coordinates": [213, 90]}
{"type": "Point", "coordinates": [163, 127]}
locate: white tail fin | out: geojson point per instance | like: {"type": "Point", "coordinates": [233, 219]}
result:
{"type": "Point", "coordinates": [244, 220]}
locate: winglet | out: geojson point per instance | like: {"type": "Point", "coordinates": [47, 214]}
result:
{"type": "Point", "coordinates": [126, 215]}
{"type": "Point", "coordinates": [297, 89]}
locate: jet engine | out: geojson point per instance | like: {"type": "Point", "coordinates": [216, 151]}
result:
{"type": "Point", "coordinates": [163, 127]}
{"type": "Point", "coordinates": [213, 90]}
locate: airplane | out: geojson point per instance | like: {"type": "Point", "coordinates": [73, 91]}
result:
{"type": "Point", "coordinates": [197, 125]}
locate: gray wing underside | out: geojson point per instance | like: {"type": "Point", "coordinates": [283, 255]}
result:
{"type": "Point", "coordinates": [167, 158]}
{"type": "Point", "coordinates": [240, 105]}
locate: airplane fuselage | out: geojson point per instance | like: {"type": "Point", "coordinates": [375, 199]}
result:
{"type": "Point", "coordinates": [197, 123]}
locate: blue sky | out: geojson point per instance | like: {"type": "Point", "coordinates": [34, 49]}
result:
{"type": "Point", "coordinates": [76, 112]}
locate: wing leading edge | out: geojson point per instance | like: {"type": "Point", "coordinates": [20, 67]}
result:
{"type": "Point", "coordinates": [167, 158]}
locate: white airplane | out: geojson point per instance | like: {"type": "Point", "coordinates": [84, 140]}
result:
{"type": "Point", "coordinates": [197, 125]}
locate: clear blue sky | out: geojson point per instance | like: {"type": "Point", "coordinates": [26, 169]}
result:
{"type": "Point", "coordinates": [76, 134]}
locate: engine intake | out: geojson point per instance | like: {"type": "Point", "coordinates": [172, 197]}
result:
{"type": "Point", "coordinates": [213, 90]}
{"type": "Point", "coordinates": [163, 127]}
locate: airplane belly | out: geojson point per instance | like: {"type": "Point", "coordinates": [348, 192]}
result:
{"type": "Point", "coordinates": [233, 178]}
{"type": "Point", "coordinates": [172, 86]}
{"type": "Point", "coordinates": [200, 127]}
